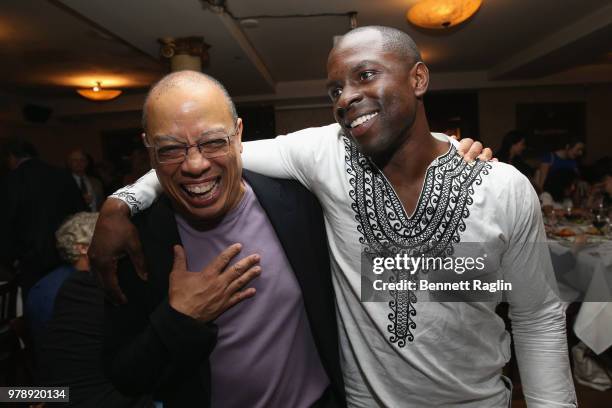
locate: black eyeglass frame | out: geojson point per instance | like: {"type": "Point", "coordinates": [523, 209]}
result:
{"type": "Point", "coordinates": [198, 145]}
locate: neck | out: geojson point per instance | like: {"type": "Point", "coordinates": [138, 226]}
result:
{"type": "Point", "coordinates": [409, 162]}
{"type": "Point", "coordinates": [82, 264]}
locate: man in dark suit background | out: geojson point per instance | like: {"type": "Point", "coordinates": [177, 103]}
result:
{"type": "Point", "coordinates": [37, 198]}
{"type": "Point", "coordinates": [256, 329]}
{"type": "Point", "coordinates": [91, 188]}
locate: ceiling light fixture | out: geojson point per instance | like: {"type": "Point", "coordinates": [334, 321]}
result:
{"type": "Point", "coordinates": [441, 14]}
{"type": "Point", "coordinates": [97, 93]}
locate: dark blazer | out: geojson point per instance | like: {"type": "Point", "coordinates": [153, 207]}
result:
{"type": "Point", "coordinates": [38, 199]}
{"type": "Point", "coordinates": [151, 348]}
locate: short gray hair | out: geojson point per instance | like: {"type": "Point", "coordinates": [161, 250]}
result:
{"type": "Point", "coordinates": [77, 229]}
{"type": "Point", "coordinates": [177, 78]}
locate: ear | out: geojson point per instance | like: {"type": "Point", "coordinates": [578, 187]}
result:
{"type": "Point", "coordinates": [238, 136]}
{"type": "Point", "coordinates": [420, 78]}
{"type": "Point", "coordinates": [82, 248]}
{"type": "Point", "coordinates": [143, 136]}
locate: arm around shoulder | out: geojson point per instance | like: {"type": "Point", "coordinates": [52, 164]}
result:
{"type": "Point", "coordinates": [141, 194]}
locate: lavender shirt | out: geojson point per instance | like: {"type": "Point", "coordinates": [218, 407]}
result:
{"type": "Point", "coordinates": [265, 354]}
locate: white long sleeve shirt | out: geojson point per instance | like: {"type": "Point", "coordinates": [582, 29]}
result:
{"type": "Point", "coordinates": [408, 353]}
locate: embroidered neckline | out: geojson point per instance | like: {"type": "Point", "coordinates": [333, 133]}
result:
{"type": "Point", "coordinates": [433, 228]}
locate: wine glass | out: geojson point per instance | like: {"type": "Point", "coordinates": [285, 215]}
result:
{"type": "Point", "coordinates": [600, 221]}
{"type": "Point", "coordinates": [568, 211]}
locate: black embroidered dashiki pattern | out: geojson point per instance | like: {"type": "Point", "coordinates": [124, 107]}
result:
{"type": "Point", "coordinates": [126, 195]}
{"type": "Point", "coordinates": [385, 228]}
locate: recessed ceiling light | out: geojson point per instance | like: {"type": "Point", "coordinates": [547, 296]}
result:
{"type": "Point", "coordinates": [249, 23]}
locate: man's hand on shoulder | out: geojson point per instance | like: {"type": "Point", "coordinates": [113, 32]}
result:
{"type": "Point", "coordinates": [472, 150]}
{"type": "Point", "coordinates": [114, 237]}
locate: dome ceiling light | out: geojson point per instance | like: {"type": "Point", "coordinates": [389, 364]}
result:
{"type": "Point", "coordinates": [441, 14]}
{"type": "Point", "coordinates": [97, 93]}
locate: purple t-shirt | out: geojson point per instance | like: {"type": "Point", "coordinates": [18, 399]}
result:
{"type": "Point", "coordinates": [265, 354]}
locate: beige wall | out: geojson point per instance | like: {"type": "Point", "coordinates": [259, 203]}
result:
{"type": "Point", "coordinates": [497, 112]}
{"type": "Point", "coordinates": [54, 140]}
{"type": "Point", "coordinates": [290, 120]}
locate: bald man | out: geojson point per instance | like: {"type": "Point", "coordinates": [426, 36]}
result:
{"type": "Point", "coordinates": [236, 312]}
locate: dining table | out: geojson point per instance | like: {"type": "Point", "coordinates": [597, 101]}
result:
{"type": "Point", "coordinates": [582, 261]}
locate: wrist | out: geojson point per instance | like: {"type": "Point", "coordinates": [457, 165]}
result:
{"type": "Point", "coordinates": [116, 206]}
{"type": "Point", "coordinates": [183, 309]}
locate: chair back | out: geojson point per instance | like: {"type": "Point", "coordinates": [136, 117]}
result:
{"type": "Point", "coordinates": [8, 301]}
{"type": "Point", "coordinates": [9, 341]}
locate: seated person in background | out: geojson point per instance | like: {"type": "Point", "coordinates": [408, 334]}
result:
{"type": "Point", "coordinates": [558, 190]}
{"type": "Point", "coordinates": [73, 238]}
{"type": "Point", "coordinates": [600, 193]}
{"type": "Point", "coordinates": [511, 150]}
{"type": "Point", "coordinates": [66, 309]}
{"type": "Point", "coordinates": [563, 158]}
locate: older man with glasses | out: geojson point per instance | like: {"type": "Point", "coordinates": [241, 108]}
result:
{"type": "Point", "coordinates": [236, 311]}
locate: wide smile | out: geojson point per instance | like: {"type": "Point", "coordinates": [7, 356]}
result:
{"type": "Point", "coordinates": [203, 193]}
{"type": "Point", "coordinates": [362, 123]}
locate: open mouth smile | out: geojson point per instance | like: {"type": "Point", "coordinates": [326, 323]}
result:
{"type": "Point", "coordinates": [203, 192]}
{"type": "Point", "coordinates": [362, 124]}
{"type": "Point", "coordinates": [362, 119]}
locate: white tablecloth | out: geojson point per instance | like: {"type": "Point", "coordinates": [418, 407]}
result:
{"type": "Point", "coordinates": [589, 273]}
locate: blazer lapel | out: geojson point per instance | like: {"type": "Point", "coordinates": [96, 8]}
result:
{"type": "Point", "coordinates": [281, 209]}
{"type": "Point", "coordinates": [159, 236]}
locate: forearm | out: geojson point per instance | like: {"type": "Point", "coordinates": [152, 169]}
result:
{"type": "Point", "coordinates": [262, 156]}
{"type": "Point", "coordinates": [541, 347]}
{"type": "Point", "coordinates": [265, 157]}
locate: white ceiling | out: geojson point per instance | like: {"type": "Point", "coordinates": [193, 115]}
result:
{"type": "Point", "coordinates": [49, 47]}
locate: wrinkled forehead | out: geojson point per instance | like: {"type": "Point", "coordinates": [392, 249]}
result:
{"type": "Point", "coordinates": [188, 113]}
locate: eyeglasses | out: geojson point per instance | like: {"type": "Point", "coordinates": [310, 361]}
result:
{"type": "Point", "coordinates": [210, 148]}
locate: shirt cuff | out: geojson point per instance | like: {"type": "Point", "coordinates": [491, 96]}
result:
{"type": "Point", "coordinates": [140, 195]}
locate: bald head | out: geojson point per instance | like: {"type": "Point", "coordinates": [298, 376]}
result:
{"type": "Point", "coordinates": [185, 80]}
{"type": "Point", "coordinates": [393, 40]}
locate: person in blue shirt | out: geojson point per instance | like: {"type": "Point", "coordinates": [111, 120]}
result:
{"type": "Point", "coordinates": [564, 158]}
